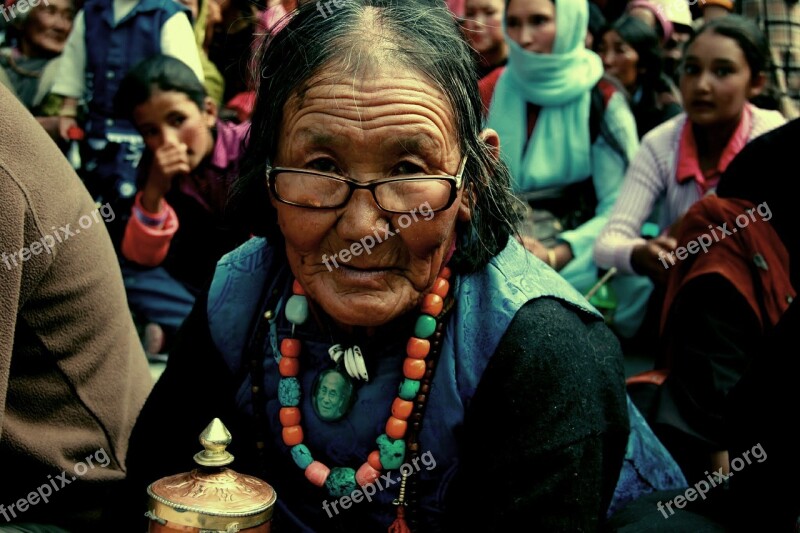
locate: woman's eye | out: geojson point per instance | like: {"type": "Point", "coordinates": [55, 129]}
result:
{"type": "Point", "coordinates": [513, 22]}
{"type": "Point", "coordinates": [405, 168]}
{"type": "Point", "coordinates": [691, 69]}
{"type": "Point", "coordinates": [176, 120]}
{"type": "Point", "coordinates": [722, 72]}
{"type": "Point", "coordinates": [324, 165]}
{"type": "Point", "coordinates": [538, 20]}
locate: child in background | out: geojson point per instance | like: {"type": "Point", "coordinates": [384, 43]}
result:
{"type": "Point", "coordinates": [108, 38]}
{"type": "Point", "coordinates": [176, 232]}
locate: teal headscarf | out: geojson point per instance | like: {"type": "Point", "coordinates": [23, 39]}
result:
{"type": "Point", "coordinates": [559, 151]}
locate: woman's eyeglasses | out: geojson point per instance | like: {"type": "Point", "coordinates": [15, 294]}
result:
{"type": "Point", "coordinates": [323, 190]}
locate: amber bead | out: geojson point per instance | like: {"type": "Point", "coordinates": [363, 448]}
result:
{"type": "Point", "coordinates": [418, 348]}
{"type": "Point", "coordinates": [413, 368]}
{"type": "Point", "coordinates": [290, 416]}
{"type": "Point", "coordinates": [396, 428]}
{"type": "Point", "coordinates": [440, 287]}
{"type": "Point", "coordinates": [290, 347]}
{"type": "Point", "coordinates": [432, 304]}
{"type": "Point", "coordinates": [402, 408]}
{"type": "Point", "coordinates": [289, 366]}
{"type": "Point", "coordinates": [292, 435]}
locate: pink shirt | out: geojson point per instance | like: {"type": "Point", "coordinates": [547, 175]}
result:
{"type": "Point", "coordinates": [689, 164]}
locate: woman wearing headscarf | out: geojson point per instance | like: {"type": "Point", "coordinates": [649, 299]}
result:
{"type": "Point", "coordinates": [567, 135]}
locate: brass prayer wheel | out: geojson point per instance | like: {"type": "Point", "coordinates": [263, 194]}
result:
{"type": "Point", "coordinates": [211, 498]}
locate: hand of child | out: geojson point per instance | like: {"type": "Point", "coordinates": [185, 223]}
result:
{"type": "Point", "coordinates": [64, 125]}
{"type": "Point", "coordinates": [169, 161]}
{"type": "Point", "coordinates": [653, 259]}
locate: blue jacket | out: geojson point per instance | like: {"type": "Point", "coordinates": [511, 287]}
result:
{"type": "Point", "coordinates": [487, 302]}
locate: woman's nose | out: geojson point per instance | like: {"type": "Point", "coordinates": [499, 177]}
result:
{"type": "Point", "coordinates": [526, 35]}
{"type": "Point", "coordinates": [361, 217]}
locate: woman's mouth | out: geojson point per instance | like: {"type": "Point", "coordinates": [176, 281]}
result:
{"type": "Point", "coordinates": [702, 104]}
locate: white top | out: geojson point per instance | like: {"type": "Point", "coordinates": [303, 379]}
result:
{"type": "Point", "coordinates": [650, 181]}
{"type": "Point", "coordinates": [177, 40]}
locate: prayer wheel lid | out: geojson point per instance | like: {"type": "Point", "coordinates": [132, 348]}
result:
{"type": "Point", "coordinates": [212, 496]}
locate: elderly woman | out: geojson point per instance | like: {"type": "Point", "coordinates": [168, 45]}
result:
{"type": "Point", "coordinates": [385, 257]}
{"type": "Point", "coordinates": [38, 36]}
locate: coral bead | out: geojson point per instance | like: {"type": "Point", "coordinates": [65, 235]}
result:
{"type": "Point", "coordinates": [374, 460]}
{"type": "Point", "coordinates": [292, 435]}
{"type": "Point", "coordinates": [396, 428]}
{"type": "Point", "coordinates": [402, 408]}
{"type": "Point", "coordinates": [418, 348]}
{"type": "Point", "coordinates": [297, 288]}
{"type": "Point", "coordinates": [290, 416]}
{"type": "Point", "coordinates": [290, 347]}
{"type": "Point", "coordinates": [445, 273]}
{"type": "Point", "coordinates": [440, 287]}
{"type": "Point", "coordinates": [317, 473]}
{"type": "Point", "coordinates": [366, 475]}
{"type": "Point", "coordinates": [289, 367]}
{"type": "Point", "coordinates": [432, 304]}
{"type": "Point", "coordinates": [413, 368]}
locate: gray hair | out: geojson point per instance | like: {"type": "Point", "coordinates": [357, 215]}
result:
{"type": "Point", "coordinates": [422, 36]}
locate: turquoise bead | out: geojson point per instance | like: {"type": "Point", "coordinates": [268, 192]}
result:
{"type": "Point", "coordinates": [392, 451]}
{"type": "Point", "coordinates": [341, 481]}
{"type": "Point", "coordinates": [297, 309]}
{"type": "Point", "coordinates": [409, 389]}
{"type": "Point", "coordinates": [302, 456]}
{"type": "Point", "coordinates": [425, 327]}
{"type": "Point", "coordinates": [289, 392]}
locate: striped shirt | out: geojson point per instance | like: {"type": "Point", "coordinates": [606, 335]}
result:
{"type": "Point", "coordinates": [652, 181]}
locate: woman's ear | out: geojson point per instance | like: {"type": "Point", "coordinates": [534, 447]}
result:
{"type": "Point", "coordinates": [210, 109]}
{"type": "Point", "coordinates": [758, 85]}
{"type": "Point", "coordinates": [492, 141]}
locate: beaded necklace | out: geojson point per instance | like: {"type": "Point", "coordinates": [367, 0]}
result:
{"type": "Point", "coordinates": [342, 481]}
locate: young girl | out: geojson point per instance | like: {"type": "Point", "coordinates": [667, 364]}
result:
{"type": "Point", "coordinates": [681, 160]}
{"type": "Point", "coordinates": [630, 52]}
{"type": "Point", "coordinates": [176, 232]}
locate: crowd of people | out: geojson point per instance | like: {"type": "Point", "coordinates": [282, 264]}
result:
{"type": "Point", "coordinates": [603, 180]}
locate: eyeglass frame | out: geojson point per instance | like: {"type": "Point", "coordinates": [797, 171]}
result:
{"type": "Point", "coordinates": [455, 185]}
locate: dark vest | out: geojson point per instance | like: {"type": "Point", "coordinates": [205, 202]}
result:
{"type": "Point", "coordinates": [113, 50]}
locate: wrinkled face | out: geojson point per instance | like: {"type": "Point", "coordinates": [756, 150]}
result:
{"type": "Point", "coordinates": [46, 29]}
{"type": "Point", "coordinates": [483, 24]}
{"type": "Point", "coordinates": [389, 122]}
{"type": "Point", "coordinates": [716, 80]}
{"type": "Point", "coordinates": [171, 118]}
{"type": "Point", "coordinates": [619, 59]}
{"type": "Point", "coordinates": [532, 24]}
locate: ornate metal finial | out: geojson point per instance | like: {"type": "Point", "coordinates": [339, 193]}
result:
{"type": "Point", "coordinates": [215, 438]}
